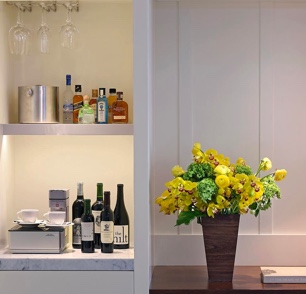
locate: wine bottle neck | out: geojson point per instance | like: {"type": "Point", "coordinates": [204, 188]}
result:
{"type": "Point", "coordinates": [87, 206]}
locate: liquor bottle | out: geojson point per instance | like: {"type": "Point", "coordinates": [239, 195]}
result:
{"type": "Point", "coordinates": [93, 102]}
{"type": "Point", "coordinates": [77, 211]}
{"type": "Point", "coordinates": [121, 222]}
{"type": "Point", "coordinates": [86, 113]}
{"type": "Point", "coordinates": [87, 229]}
{"type": "Point", "coordinates": [102, 107]}
{"type": "Point", "coordinates": [120, 110]}
{"type": "Point", "coordinates": [68, 102]}
{"type": "Point", "coordinates": [112, 97]}
{"type": "Point", "coordinates": [96, 211]}
{"type": "Point", "coordinates": [77, 103]}
{"type": "Point", "coordinates": [107, 226]}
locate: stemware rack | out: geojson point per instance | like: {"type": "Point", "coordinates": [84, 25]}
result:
{"type": "Point", "coordinates": [47, 5]}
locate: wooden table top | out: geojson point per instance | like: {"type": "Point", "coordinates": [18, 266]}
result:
{"type": "Point", "coordinates": [194, 280]}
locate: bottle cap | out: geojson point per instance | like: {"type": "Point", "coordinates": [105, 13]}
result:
{"type": "Point", "coordinates": [68, 80]}
{"type": "Point", "coordinates": [101, 91]}
{"type": "Point", "coordinates": [112, 91]}
{"type": "Point", "coordinates": [94, 93]}
{"type": "Point", "coordinates": [119, 95]}
{"type": "Point", "coordinates": [78, 88]}
{"type": "Point", "coordinates": [86, 99]}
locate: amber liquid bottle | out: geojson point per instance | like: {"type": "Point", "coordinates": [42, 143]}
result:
{"type": "Point", "coordinates": [77, 103]}
{"type": "Point", "coordinates": [93, 102]}
{"type": "Point", "coordinates": [120, 110]}
{"type": "Point", "coordinates": [110, 100]}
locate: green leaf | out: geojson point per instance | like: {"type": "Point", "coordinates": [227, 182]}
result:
{"type": "Point", "coordinates": [253, 206]}
{"type": "Point", "coordinates": [185, 217]}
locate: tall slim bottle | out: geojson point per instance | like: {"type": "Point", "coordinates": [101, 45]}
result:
{"type": "Point", "coordinates": [68, 102]}
{"type": "Point", "coordinates": [77, 211]}
{"type": "Point", "coordinates": [121, 222]}
{"type": "Point", "coordinates": [87, 229]}
{"type": "Point", "coordinates": [96, 211]}
{"type": "Point", "coordinates": [102, 107]}
{"type": "Point", "coordinates": [107, 226]}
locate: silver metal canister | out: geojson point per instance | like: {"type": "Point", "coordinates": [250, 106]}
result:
{"type": "Point", "coordinates": [38, 104]}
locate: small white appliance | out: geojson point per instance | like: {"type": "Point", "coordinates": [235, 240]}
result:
{"type": "Point", "coordinates": [59, 201]}
{"type": "Point", "coordinates": [37, 239]}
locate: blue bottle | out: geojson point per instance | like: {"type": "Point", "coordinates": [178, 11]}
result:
{"type": "Point", "coordinates": [102, 107]}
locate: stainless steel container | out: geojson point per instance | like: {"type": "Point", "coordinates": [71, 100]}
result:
{"type": "Point", "coordinates": [38, 104]}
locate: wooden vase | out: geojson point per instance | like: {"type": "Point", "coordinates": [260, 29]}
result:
{"type": "Point", "coordinates": [220, 240]}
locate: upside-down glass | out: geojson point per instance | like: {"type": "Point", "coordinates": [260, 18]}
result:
{"type": "Point", "coordinates": [44, 34]}
{"type": "Point", "coordinates": [19, 37]}
{"type": "Point", "coordinates": [69, 32]}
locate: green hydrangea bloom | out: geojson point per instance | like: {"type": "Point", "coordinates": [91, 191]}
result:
{"type": "Point", "coordinates": [243, 169]}
{"type": "Point", "coordinates": [206, 189]}
{"type": "Point", "coordinates": [198, 171]}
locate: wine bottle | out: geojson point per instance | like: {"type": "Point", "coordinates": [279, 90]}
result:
{"type": "Point", "coordinates": [121, 222]}
{"type": "Point", "coordinates": [107, 226]}
{"type": "Point", "coordinates": [77, 211]}
{"type": "Point", "coordinates": [87, 229]}
{"type": "Point", "coordinates": [96, 211]}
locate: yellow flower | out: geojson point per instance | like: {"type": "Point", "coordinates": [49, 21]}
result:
{"type": "Point", "coordinates": [197, 152]}
{"type": "Point", "coordinates": [241, 161]}
{"type": "Point", "coordinates": [267, 164]}
{"type": "Point", "coordinates": [222, 181]}
{"type": "Point", "coordinates": [177, 171]}
{"type": "Point", "coordinates": [212, 209]}
{"type": "Point", "coordinates": [222, 170]}
{"type": "Point", "coordinates": [280, 174]}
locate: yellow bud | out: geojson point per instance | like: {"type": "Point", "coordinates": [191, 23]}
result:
{"type": "Point", "coordinates": [280, 174]}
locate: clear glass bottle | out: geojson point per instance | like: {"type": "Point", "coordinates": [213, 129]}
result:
{"type": "Point", "coordinates": [120, 110]}
{"type": "Point", "coordinates": [77, 212]}
{"type": "Point", "coordinates": [96, 211]}
{"type": "Point", "coordinates": [77, 103]}
{"type": "Point", "coordinates": [93, 102]}
{"type": "Point", "coordinates": [86, 113]}
{"type": "Point", "coordinates": [87, 229]}
{"type": "Point", "coordinates": [102, 107]}
{"type": "Point", "coordinates": [68, 102]}
{"type": "Point", "coordinates": [112, 97]}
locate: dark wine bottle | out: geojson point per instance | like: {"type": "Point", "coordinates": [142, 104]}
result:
{"type": "Point", "coordinates": [96, 211]}
{"type": "Point", "coordinates": [77, 211]}
{"type": "Point", "coordinates": [87, 229]}
{"type": "Point", "coordinates": [121, 222]}
{"type": "Point", "coordinates": [107, 226]}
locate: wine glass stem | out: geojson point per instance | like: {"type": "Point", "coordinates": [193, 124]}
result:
{"type": "Point", "coordinates": [19, 17]}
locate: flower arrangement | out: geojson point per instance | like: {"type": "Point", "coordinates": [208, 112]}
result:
{"type": "Point", "coordinates": [213, 185]}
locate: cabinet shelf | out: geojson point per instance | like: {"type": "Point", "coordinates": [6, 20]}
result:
{"type": "Point", "coordinates": [65, 129]}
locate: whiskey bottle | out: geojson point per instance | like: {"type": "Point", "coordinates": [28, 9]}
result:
{"type": "Point", "coordinates": [120, 110]}
{"type": "Point", "coordinates": [112, 97]}
{"type": "Point", "coordinates": [93, 102]}
{"type": "Point", "coordinates": [77, 103]}
{"type": "Point", "coordinates": [102, 107]}
{"type": "Point", "coordinates": [86, 113]}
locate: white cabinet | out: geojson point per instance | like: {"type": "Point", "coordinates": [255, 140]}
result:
{"type": "Point", "coordinates": [36, 158]}
{"type": "Point", "coordinates": [51, 282]}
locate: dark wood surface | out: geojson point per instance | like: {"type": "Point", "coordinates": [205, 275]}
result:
{"type": "Point", "coordinates": [193, 280]}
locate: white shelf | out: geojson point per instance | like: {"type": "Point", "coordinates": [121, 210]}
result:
{"type": "Point", "coordinates": [67, 129]}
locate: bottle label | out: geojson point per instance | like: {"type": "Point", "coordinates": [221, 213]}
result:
{"type": "Point", "coordinates": [107, 232]}
{"type": "Point", "coordinates": [87, 230]}
{"type": "Point", "coordinates": [68, 107]}
{"type": "Point", "coordinates": [77, 237]}
{"type": "Point", "coordinates": [101, 111]}
{"type": "Point", "coordinates": [121, 235]}
{"type": "Point", "coordinates": [119, 117]}
{"type": "Point", "coordinates": [97, 218]}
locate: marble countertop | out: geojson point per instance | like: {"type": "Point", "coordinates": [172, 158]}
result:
{"type": "Point", "coordinates": [70, 260]}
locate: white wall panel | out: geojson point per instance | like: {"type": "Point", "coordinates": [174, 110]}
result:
{"type": "Point", "coordinates": [241, 71]}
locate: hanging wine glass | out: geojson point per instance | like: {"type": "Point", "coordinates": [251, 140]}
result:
{"type": "Point", "coordinates": [19, 36]}
{"type": "Point", "coordinates": [69, 32]}
{"type": "Point", "coordinates": [44, 34]}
